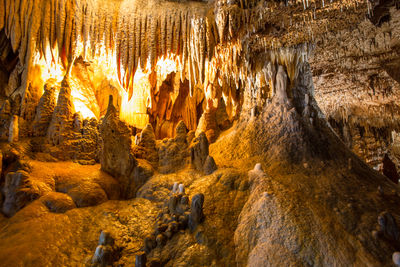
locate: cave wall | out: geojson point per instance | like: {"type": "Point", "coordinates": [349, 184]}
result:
{"type": "Point", "coordinates": [356, 84]}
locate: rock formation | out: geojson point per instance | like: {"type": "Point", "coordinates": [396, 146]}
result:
{"type": "Point", "coordinates": [14, 130]}
{"type": "Point", "coordinates": [116, 157]}
{"type": "Point", "coordinates": [106, 252]}
{"type": "Point", "coordinates": [199, 151]}
{"type": "Point", "coordinates": [45, 110]}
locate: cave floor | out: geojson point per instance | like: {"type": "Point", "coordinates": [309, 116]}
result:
{"type": "Point", "coordinates": [35, 236]}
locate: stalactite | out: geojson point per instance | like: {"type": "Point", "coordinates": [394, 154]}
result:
{"type": "Point", "coordinates": [10, 16]}
{"type": "Point", "coordinates": [68, 30]}
{"type": "Point", "coordinates": [131, 48]}
{"type": "Point", "coordinates": [60, 25]}
{"type": "Point", "coordinates": [2, 14]}
{"type": "Point", "coordinates": [210, 38]}
{"type": "Point", "coordinates": [16, 28]}
{"type": "Point", "coordinates": [153, 42]}
{"type": "Point", "coordinates": [204, 42]}
{"type": "Point", "coordinates": [124, 50]}
{"type": "Point", "coordinates": [169, 34]}
{"type": "Point", "coordinates": [143, 43]}
{"type": "Point", "coordinates": [45, 29]}
{"type": "Point", "coordinates": [86, 29]}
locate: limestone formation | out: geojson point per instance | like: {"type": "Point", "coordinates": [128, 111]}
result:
{"type": "Point", "coordinates": [181, 189]}
{"type": "Point", "coordinates": [174, 217]}
{"type": "Point", "coordinates": [45, 109]}
{"type": "Point", "coordinates": [115, 157]}
{"type": "Point", "coordinates": [146, 146]}
{"type": "Point", "coordinates": [175, 188]}
{"type": "Point", "coordinates": [60, 125]}
{"type": "Point", "coordinates": [388, 227]}
{"type": "Point", "coordinates": [199, 151]}
{"type": "Point", "coordinates": [173, 152]}
{"type": "Point", "coordinates": [209, 165]}
{"type": "Point", "coordinates": [281, 86]}
{"type": "Point", "coordinates": [108, 105]}
{"type": "Point", "coordinates": [58, 202]}
{"type": "Point", "coordinates": [19, 190]}
{"type": "Point", "coordinates": [14, 130]}
{"type": "Point", "coordinates": [140, 260]}
{"type": "Point", "coordinates": [196, 211]}
{"type": "Point", "coordinates": [87, 194]}
{"type": "Point", "coordinates": [106, 252]}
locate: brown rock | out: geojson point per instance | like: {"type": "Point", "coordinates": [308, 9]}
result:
{"type": "Point", "coordinates": [389, 169]}
{"type": "Point", "coordinates": [199, 151]}
{"type": "Point", "coordinates": [196, 211]}
{"type": "Point", "coordinates": [58, 202]}
{"type": "Point", "coordinates": [173, 152]}
{"type": "Point", "coordinates": [388, 227]}
{"type": "Point", "coordinates": [149, 243]}
{"type": "Point", "coordinates": [5, 117]}
{"type": "Point", "coordinates": [87, 194]}
{"type": "Point", "coordinates": [146, 148]}
{"type": "Point", "coordinates": [60, 124]}
{"type": "Point", "coordinates": [209, 165]}
{"type": "Point", "coordinates": [208, 125]}
{"type": "Point", "coordinates": [115, 157]}
{"type": "Point", "coordinates": [18, 191]}
{"type": "Point", "coordinates": [13, 134]}
{"type": "Point", "coordinates": [181, 132]}
{"type": "Point", "coordinates": [45, 109]}
{"type": "Point", "coordinates": [140, 260]}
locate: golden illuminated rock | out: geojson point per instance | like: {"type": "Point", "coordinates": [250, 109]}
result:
{"type": "Point", "coordinates": [198, 133]}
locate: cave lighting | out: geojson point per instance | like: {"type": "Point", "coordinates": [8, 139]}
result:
{"type": "Point", "coordinates": [133, 109]}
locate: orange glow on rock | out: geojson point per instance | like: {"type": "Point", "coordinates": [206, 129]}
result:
{"type": "Point", "coordinates": [134, 100]}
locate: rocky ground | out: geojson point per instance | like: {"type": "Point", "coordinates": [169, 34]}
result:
{"type": "Point", "coordinates": [310, 202]}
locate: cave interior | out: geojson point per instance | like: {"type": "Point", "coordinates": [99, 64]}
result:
{"type": "Point", "coordinates": [199, 133]}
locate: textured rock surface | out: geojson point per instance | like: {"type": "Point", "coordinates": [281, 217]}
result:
{"type": "Point", "coordinates": [199, 151]}
{"type": "Point", "coordinates": [18, 191]}
{"type": "Point", "coordinates": [146, 148]}
{"type": "Point", "coordinates": [58, 202]}
{"type": "Point", "coordinates": [60, 186]}
{"type": "Point", "coordinates": [209, 165]}
{"type": "Point", "coordinates": [356, 85]}
{"type": "Point", "coordinates": [196, 211]}
{"type": "Point", "coordinates": [60, 125]}
{"type": "Point", "coordinates": [45, 109]}
{"type": "Point", "coordinates": [117, 156]}
{"type": "Point", "coordinates": [13, 133]}
{"type": "Point", "coordinates": [173, 152]}
{"type": "Point", "coordinates": [106, 252]}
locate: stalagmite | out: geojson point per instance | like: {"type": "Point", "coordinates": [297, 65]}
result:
{"type": "Point", "coordinates": [13, 133]}
{"type": "Point", "coordinates": [280, 86]}
{"type": "Point", "coordinates": [181, 189]}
